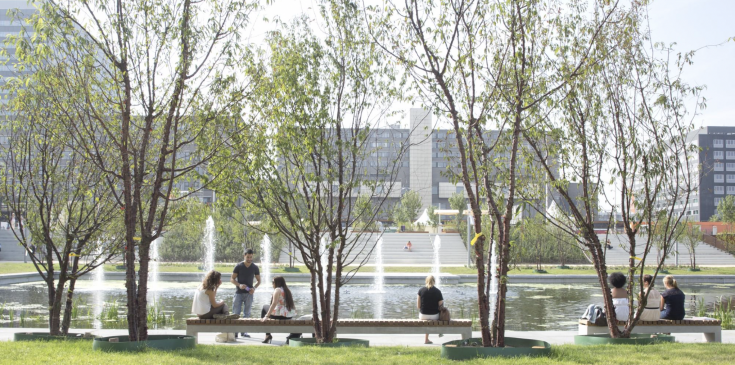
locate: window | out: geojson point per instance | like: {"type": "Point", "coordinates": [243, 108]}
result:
{"type": "Point", "coordinates": [731, 155]}
{"type": "Point", "coordinates": [730, 178]}
{"type": "Point", "coordinates": [696, 212]}
{"type": "Point", "coordinates": [719, 190]}
{"type": "Point", "coordinates": [731, 190]}
{"type": "Point", "coordinates": [730, 143]}
{"type": "Point", "coordinates": [730, 166]}
{"type": "Point", "coordinates": [460, 189]}
{"type": "Point", "coordinates": [434, 190]}
{"type": "Point", "coordinates": [719, 166]}
{"type": "Point", "coordinates": [717, 143]}
{"type": "Point", "coordinates": [718, 155]}
{"type": "Point", "coordinates": [719, 178]}
{"type": "Point", "coordinates": [717, 201]}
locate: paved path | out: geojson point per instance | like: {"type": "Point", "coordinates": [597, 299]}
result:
{"type": "Point", "coordinates": [553, 337]}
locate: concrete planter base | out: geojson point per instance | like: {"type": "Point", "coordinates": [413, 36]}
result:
{"type": "Point", "coordinates": [341, 342]}
{"type": "Point", "coordinates": [160, 342]}
{"type": "Point", "coordinates": [456, 350]}
{"type": "Point", "coordinates": [635, 339]}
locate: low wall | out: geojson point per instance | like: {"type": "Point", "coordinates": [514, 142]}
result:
{"type": "Point", "coordinates": [396, 279]}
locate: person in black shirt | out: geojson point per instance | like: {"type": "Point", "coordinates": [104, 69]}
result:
{"type": "Point", "coordinates": [242, 278]}
{"type": "Point", "coordinates": [672, 300]}
{"type": "Point", "coordinates": [428, 302]}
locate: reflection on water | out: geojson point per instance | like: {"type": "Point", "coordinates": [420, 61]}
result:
{"type": "Point", "coordinates": [531, 307]}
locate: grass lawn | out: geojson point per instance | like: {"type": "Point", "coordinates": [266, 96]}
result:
{"type": "Point", "coordinates": [11, 268]}
{"type": "Point", "coordinates": [16, 267]}
{"type": "Point", "coordinates": [80, 352]}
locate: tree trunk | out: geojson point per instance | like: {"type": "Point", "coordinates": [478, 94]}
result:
{"type": "Point", "coordinates": [130, 283]}
{"type": "Point", "coordinates": [502, 281]}
{"type": "Point", "coordinates": [55, 306]}
{"type": "Point", "coordinates": [483, 305]}
{"type": "Point", "coordinates": [314, 309]}
{"type": "Point", "coordinates": [66, 322]}
{"type": "Point", "coordinates": [142, 300]}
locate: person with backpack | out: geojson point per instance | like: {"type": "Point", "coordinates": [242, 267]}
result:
{"type": "Point", "coordinates": [619, 296]}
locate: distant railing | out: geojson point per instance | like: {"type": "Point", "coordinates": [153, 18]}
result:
{"type": "Point", "coordinates": [718, 243]}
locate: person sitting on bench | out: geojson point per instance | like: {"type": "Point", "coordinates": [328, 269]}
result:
{"type": "Point", "coordinates": [672, 300]}
{"type": "Point", "coordinates": [428, 302]}
{"type": "Point", "coordinates": [204, 305]}
{"type": "Point", "coordinates": [282, 307]}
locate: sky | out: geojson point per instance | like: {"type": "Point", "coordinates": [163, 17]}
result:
{"type": "Point", "coordinates": [691, 24]}
{"type": "Point", "coordinates": [694, 24]}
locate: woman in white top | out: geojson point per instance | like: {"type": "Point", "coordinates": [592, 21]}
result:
{"type": "Point", "coordinates": [651, 312]}
{"type": "Point", "coordinates": [204, 305]}
{"type": "Point", "coordinates": [620, 296]}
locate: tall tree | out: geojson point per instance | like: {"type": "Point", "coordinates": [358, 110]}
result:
{"type": "Point", "coordinates": [69, 221]}
{"type": "Point", "coordinates": [620, 131]}
{"type": "Point", "coordinates": [488, 66]}
{"type": "Point", "coordinates": [317, 101]}
{"type": "Point", "coordinates": [146, 81]}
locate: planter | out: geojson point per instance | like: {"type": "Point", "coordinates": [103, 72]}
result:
{"type": "Point", "coordinates": [341, 342]}
{"type": "Point", "coordinates": [120, 267]}
{"type": "Point", "coordinates": [542, 271]}
{"type": "Point", "coordinates": [694, 269]}
{"type": "Point", "coordinates": [456, 350]}
{"type": "Point", "coordinates": [160, 342]}
{"type": "Point", "coordinates": [291, 269]}
{"type": "Point", "coordinates": [635, 339]}
{"type": "Point", "coordinates": [44, 336]}
{"type": "Point", "coordinates": [563, 267]}
{"type": "Point", "coordinates": [663, 271]}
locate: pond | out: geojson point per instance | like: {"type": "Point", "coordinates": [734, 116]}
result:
{"type": "Point", "coordinates": [531, 307]}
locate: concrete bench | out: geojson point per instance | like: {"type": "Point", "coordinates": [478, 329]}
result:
{"type": "Point", "coordinates": [344, 326]}
{"type": "Point", "coordinates": [710, 328]}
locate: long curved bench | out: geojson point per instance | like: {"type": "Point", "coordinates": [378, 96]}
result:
{"type": "Point", "coordinates": [462, 327]}
{"type": "Point", "coordinates": [710, 328]}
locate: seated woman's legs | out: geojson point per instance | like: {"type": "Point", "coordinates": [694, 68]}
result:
{"type": "Point", "coordinates": [215, 310]}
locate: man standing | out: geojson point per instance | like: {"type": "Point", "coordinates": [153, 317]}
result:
{"type": "Point", "coordinates": [242, 277]}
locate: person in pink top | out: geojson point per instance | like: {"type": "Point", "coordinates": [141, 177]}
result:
{"type": "Point", "coordinates": [282, 306]}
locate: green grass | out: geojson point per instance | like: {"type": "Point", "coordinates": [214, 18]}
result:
{"type": "Point", "coordinates": [12, 268]}
{"type": "Point", "coordinates": [80, 352]}
{"type": "Point", "coordinates": [16, 267]}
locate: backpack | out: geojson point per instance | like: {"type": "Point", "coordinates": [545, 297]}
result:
{"type": "Point", "coordinates": [444, 314]}
{"type": "Point", "coordinates": [595, 314]}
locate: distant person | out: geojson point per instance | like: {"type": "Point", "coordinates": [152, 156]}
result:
{"type": "Point", "coordinates": [282, 307]}
{"type": "Point", "coordinates": [205, 306]}
{"type": "Point", "coordinates": [428, 302]}
{"type": "Point", "coordinates": [242, 278]}
{"type": "Point", "coordinates": [607, 243]}
{"type": "Point", "coordinates": [408, 247]}
{"type": "Point", "coordinates": [672, 300]}
{"type": "Point", "coordinates": [652, 311]}
{"type": "Point", "coordinates": [620, 296]}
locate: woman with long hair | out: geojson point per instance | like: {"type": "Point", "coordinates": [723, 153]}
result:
{"type": "Point", "coordinates": [672, 300]}
{"type": "Point", "coordinates": [428, 302]}
{"type": "Point", "coordinates": [204, 305]}
{"type": "Point", "coordinates": [282, 306]}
